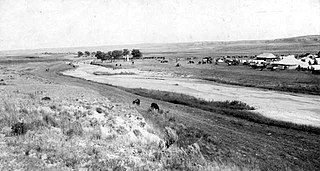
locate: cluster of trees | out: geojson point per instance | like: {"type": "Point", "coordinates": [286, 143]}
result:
{"type": "Point", "coordinates": [112, 55]}
{"type": "Point", "coordinates": [87, 53]}
{"type": "Point", "coordinates": [117, 54]}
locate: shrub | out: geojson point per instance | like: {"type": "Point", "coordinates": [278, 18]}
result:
{"type": "Point", "coordinates": [73, 128]}
{"type": "Point", "coordinates": [19, 128]}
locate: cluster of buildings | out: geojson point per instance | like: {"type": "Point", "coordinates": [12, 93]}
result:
{"type": "Point", "coordinates": [308, 62]}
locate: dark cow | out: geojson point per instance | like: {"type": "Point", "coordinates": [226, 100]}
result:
{"type": "Point", "coordinates": [137, 102]}
{"type": "Point", "coordinates": [47, 69]}
{"type": "Point", "coordinates": [155, 106]}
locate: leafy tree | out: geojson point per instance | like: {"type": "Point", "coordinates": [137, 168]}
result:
{"type": "Point", "coordinates": [136, 53]}
{"type": "Point", "coordinates": [80, 54]}
{"type": "Point", "coordinates": [110, 55]}
{"type": "Point", "coordinates": [125, 52]}
{"type": "Point", "coordinates": [117, 54]}
{"type": "Point", "coordinates": [99, 55]}
{"type": "Point", "coordinates": [87, 53]}
{"type": "Point", "coordinates": [105, 56]}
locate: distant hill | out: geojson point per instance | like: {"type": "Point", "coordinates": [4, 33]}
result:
{"type": "Point", "coordinates": [301, 44]}
{"type": "Point", "coordinates": [301, 39]}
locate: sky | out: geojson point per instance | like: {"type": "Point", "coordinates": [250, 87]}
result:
{"type": "Point", "coordinates": [33, 24]}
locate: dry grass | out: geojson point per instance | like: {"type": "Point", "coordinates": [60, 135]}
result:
{"type": "Point", "coordinates": [57, 138]}
{"type": "Point", "coordinates": [230, 108]}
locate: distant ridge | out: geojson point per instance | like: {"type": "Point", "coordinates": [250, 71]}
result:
{"type": "Point", "coordinates": [221, 46]}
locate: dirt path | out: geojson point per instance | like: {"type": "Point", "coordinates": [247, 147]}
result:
{"type": "Point", "coordinates": [297, 108]}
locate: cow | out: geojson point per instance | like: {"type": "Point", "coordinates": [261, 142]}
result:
{"type": "Point", "coordinates": [47, 69]}
{"type": "Point", "coordinates": [155, 106]}
{"type": "Point", "coordinates": [136, 102]}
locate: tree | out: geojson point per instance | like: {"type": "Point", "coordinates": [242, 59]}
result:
{"type": "Point", "coordinates": [117, 54]}
{"type": "Point", "coordinates": [319, 54]}
{"type": "Point", "coordinates": [105, 56]}
{"type": "Point", "coordinates": [80, 54]}
{"type": "Point", "coordinates": [110, 54]}
{"type": "Point", "coordinates": [98, 55]}
{"type": "Point", "coordinates": [125, 52]}
{"type": "Point", "coordinates": [136, 53]}
{"type": "Point", "coordinates": [87, 53]}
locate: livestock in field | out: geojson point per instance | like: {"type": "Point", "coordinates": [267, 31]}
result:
{"type": "Point", "coordinates": [155, 106]}
{"type": "Point", "coordinates": [136, 102]}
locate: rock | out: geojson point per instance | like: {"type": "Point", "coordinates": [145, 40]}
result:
{"type": "Point", "coordinates": [99, 110]}
{"type": "Point", "coordinates": [161, 145]}
{"type": "Point", "coordinates": [46, 98]}
{"type": "Point", "coordinates": [171, 136]}
{"type": "Point", "coordinates": [137, 133]}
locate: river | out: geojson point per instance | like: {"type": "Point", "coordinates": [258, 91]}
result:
{"type": "Point", "coordinates": [296, 108]}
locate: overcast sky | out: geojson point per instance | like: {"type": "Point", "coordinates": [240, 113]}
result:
{"type": "Point", "coordinates": [29, 24]}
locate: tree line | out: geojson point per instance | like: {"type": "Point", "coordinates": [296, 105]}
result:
{"type": "Point", "coordinates": [112, 55]}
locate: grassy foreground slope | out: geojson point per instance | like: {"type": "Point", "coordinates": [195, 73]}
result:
{"type": "Point", "coordinates": [49, 125]}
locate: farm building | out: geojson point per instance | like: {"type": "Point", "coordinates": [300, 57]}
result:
{"type": "Point", "coordinates": [266, 57]}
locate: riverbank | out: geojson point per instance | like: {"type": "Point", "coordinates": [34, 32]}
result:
{"type": "Point", "coordinates": [279, 106]}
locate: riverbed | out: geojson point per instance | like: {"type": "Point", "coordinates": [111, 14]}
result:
{"type": "Point", "coordinates": [296, 108]}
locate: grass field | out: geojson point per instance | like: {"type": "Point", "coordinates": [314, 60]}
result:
{"type": "Point", "coordinates": [242, 75]}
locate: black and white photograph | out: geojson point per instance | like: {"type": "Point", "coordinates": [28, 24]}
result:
{"type": "Point", "coordinates": [132, 85]}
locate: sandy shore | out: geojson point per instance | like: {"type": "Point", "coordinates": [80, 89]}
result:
{"type": "Point", "coordinates": [297, 108]}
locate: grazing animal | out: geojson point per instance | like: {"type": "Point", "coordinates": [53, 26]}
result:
{"type": "Point", "coordinates": [47, 69]}
{"type": "Point", "coordinates": [137, 102]}
{"type": "Point", "coordinates": [155, 106]}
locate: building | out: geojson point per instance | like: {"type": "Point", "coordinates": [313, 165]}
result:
{"type": "Point", "coordinates": [266, 57]}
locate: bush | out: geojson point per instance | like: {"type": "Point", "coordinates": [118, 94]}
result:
{"type": "Point", "coordinates": [73, 128]}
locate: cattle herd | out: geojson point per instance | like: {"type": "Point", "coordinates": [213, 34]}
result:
{"type": "Point", "coordinates": [154, 106]}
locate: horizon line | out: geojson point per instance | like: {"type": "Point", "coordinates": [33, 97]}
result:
{"type": "Point", "coordinates": [144, 43]}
